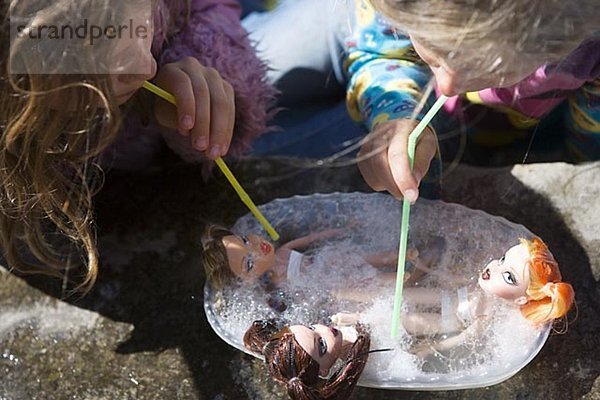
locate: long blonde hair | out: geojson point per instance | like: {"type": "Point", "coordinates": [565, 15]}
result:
{"type": "Point", "coordinates": [544, 30]}
{"type": "Point", "coordinates": [53, 127]}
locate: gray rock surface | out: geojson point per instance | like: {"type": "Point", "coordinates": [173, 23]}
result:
{"type": "Point", "coordinates": [141, 333]}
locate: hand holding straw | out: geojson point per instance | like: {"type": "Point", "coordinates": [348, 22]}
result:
{"type": "Point", "coordinates": [412, 142]}
{"type": "Point", "coordinates": [223, 167]}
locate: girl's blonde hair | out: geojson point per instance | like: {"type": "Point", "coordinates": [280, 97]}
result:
{"type": "Point", "coordinates": [483, 30]}
{"type": "Point", "coordinates": [548, 297]}
{"type": "Point", "coordinates": [53, 127]}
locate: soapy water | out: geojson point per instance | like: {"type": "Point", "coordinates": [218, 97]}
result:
{"type": "Point", "coordinates": [455, 241]}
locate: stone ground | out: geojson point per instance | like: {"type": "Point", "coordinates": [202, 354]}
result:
{"type": "Point", "coordinates": [141, 333]}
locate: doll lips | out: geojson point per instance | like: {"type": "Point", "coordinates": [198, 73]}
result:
{"type": "Point", "coordinates": [334, 331]}
{"type": "Point", "coordinates": [265, 248]}
{"type": "Point", "coordinates": [485, 275]}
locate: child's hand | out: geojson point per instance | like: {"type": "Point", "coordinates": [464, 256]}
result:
{"type": "Point", "coordinates": [205, 105]}
{"type": "Point", "coordinates": [383, 158]}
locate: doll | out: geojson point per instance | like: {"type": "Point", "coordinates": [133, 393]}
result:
{"type": "Point", "coordinates": [228, 256]}
{"type": "Point", "coordinates": [252, 257]}
{"type": "Point", "coordinates": [526, 276]}
{"type": "Point", "coordinates": [302, 357]}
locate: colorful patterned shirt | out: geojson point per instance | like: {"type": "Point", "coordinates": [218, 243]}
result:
{"type": "Point", "coordinates": [387, 77]}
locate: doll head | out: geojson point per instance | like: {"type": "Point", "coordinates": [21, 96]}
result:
{"type": "Point", "coordinates": [292, 364]}
{"type": "Point", "coordinates": [528, 274]}
{"type": "Point", "coordinates": [228, 256]}
{"type": "Point", "coordinates": [472, 45]}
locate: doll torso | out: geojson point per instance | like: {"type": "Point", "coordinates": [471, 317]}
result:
{"type": "Point", "coordinates": [460, 307]}
{"type": "Point", "coordinates": [289, 265]}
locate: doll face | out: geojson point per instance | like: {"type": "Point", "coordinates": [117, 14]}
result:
{"type": "Point", "coordinates": [249, 256]}
{"type": "Point", "coordinates": [323, 343]}
{"type": "Point", "coordinates": [508, 277]}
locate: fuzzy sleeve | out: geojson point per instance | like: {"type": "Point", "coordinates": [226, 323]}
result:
{"type": "Point", "coordinates": [213, 35]}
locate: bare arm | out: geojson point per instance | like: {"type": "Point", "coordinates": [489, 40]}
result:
{"type": "Point", "coordinates": [305, 241]}
{"type": "Point", "coordinates": [413, 295]}
{"type": "Point", "coordinates": [388, 258]}
{"type": "Point", "coordinates": [472, 330]}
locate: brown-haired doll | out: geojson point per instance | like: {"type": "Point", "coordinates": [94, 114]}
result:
{"type": "Point", "coordinates": [228, 256]}
{"type": "Point", "coordinates": [301, 357]}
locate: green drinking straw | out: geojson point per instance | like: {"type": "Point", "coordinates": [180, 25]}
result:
{"type": "Point", "coordinates": [224, 168]}
{"type": "Point", "coordinates": [412, 142]}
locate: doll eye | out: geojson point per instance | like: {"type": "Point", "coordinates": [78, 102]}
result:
{"type": "Point", "coordinates": [249, 264]}
{"type": "Point", "coordinates": [501, 260]}
{"type": "Point", "coordinates": [509, 278]}
{"type": "Point", "coordinates": [322, 347]}
{"type": "Point", "coordinates": [312, 327]}
{"type": "Point", "coordinates": [245, 240]}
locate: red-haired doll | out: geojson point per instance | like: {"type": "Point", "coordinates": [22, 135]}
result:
{"type": "Point", "coordinates": [526, 275]}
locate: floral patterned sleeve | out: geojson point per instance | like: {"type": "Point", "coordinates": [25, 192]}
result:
{"type": "Point", "coordinates": [387, 77]}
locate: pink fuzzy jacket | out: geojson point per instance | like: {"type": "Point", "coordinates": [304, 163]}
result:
{"type": "Point", "coordinates": [213, 34]}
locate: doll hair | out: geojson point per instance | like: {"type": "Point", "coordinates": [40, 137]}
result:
{"type": "Point", "coordinates": [48, 154]}
{"type": "Point", "coordinates": [290, 365]}
{"type": "Point", "coordinates": [541, 29]}
{"type": "Point", "coordinates": [214, 257]}
{"type": "Point", "coordinates": [548, 297]}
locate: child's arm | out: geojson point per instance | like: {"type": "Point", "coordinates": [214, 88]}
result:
{"type": "Point", "coordinates": [213, 35]}
{"type": "Point", "coordinates": [387, 81]}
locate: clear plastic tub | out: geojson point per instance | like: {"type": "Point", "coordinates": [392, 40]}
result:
{"type": "Point", "coordinates": [456, 241]}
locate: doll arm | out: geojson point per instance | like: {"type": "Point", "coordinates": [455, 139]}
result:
{"type": "Point", "coordinates": [418, 295]}
{"type": "Point", "coordinates": [472, 330]}
{"type": "Point", "coordinates": [305, 241]}
{"type": "Point", "coordinates": [214, 36]}
{"type": "Point", "coordinates": [389, 258]}
{"type": "Point", "coordinates": [354, 294]}
{"type": "Point", "coordinates": [345, 319]}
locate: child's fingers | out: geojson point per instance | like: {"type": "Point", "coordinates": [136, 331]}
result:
{"type": "Point", "coordinates": [201, 90]}
{"type": "Point", "coordinates": [373, 164]}
{"type": "Point", "coordinates": [178, 82]}
{"type": "Point", "coordinates": [424, 153]}
{"type": "Point", "coordinates": [231, 95]}
{"type": "Point", "coordinates": [222, 114]}
{"type": "Point", "coordinates": [400, 168]}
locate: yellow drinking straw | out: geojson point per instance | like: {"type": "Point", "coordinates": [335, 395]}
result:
{"type": "Point", "coordinates": [224, 168]}
{"type": "Point", "coordinates": [412, 141]}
